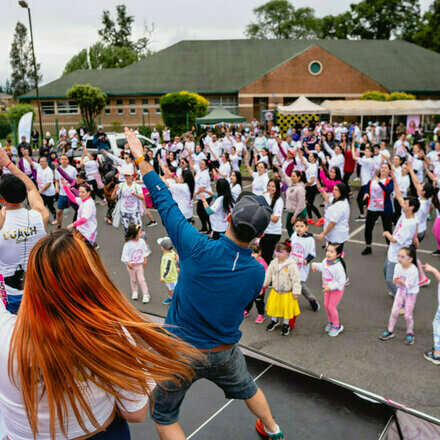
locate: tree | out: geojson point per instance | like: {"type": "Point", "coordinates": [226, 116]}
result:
{"type": "Point", "coordinates": [91, 101]}
{"type": "Point", "coordinates": [23, 77]}
{"type": "Point", "coordinates": [180, 110]}
{"type": "Point", "coordinates": [428, 35]}
{"type": "Point", "coordinates": [17, 111]}
{"type": "Point", "coordinates": [336, 27]}
{"type": "Point", "coordinates": [5, 126]}
{"type": "Point", "coordinates": [279, 19]}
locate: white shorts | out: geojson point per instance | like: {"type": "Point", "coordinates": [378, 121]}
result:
{"type": "Point", "coordinates": [170, 286]}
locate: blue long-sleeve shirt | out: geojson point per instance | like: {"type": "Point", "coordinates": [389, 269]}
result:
{"type": "Point", "coordinates": [218, 278]}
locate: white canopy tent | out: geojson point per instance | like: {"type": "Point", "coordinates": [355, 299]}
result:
{"type": "Point", "coordinates": [302, 106]}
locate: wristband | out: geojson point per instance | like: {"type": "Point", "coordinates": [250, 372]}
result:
{"type": "Point", "coordinates": [139, 159]}
{"type": "Point", "coordinates": [9, 164]}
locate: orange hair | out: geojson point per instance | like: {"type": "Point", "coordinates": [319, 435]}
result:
{"type": "Point", "coordinates": [70, 328]}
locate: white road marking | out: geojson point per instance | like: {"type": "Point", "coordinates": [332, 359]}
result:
{"type": "Point", "coordinates": [356, 231]}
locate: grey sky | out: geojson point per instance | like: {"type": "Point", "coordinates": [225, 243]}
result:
{"type": "Point", "coordinates": [63, 27]}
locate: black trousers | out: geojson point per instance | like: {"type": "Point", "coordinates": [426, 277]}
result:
{"type": "Point", "coordinates": [95, 190]}
{"type": "Point", "coordinates": [346, 178]}
{"type": "Point", "coordinates": [360, 198]}
{"type": "Point", "coordinates": [267, 244]}
{"type": "Point", "coordinates": [259, 303]}
{"type": "Point", "coordinates": [397, 211]}
{"type": "Point", "coordinates": [311, 192]}
{"type": "Point", "coordinates": [216, 235]}
{"type": "Point", "coordinates": [48, 202]}
{"type": "Point", "coordinates": [203, 216]}
{"type": "Point", "coordinates": [372, 216]}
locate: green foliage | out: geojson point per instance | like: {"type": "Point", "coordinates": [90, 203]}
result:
{"type": "Point", "coordinates": [335, 26]}
{"type": "Point", "coordinates": [145, 131]}
{"type": "Point", "coordinates": [18, 110]}
{"type": "Point", "coordinates": [116, 126]}
{"type": "Point", "coordinates": [5, 126]}
{"type": "Point", "coordinates": [374, 96]}
{"type": "Point", "coordinates": [428, 35]}
{"type": "Point", "coordinates": [279, 19]}
{"type": "Point", "coordinates": [181, 108]}
{"type": "Point", "coordinates": [91, 101]}
{"type": "Point", "coordinates": [397, 96]}
{"type": "Point", "coordinates": [20, 56]}
{"type": "Point", "coordinates": [77, 62]}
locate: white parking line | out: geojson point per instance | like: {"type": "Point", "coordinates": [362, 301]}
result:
{"type": "Point", "coordinates": [224, 406]}
{"type": "Point", "coordinates": [419, 251]}
{"type": "Point", "coordinates": [356, 231]}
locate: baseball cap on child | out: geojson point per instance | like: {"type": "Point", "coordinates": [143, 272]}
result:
{"type": "Point", "coordinates": [126, 170]}
{"type": "Point", "coordinates": [165, 242]}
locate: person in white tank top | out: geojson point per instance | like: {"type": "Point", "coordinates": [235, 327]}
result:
{"type": "Point", "coordinates": [20, 229]}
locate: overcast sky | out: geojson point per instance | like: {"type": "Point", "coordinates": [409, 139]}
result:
{"type": "Point", "coordinates": [64, 27]}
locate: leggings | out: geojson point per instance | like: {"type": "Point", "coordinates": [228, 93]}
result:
{"type": "Point", "coordinates": [436, 329]}
{"type": "Point", "coordinates": [409, 301]}
{"type": "Point", "coordinates": [95, 190]}
{"type": "Point", "coordinates": [311, 192]}
{"type": "Point", "coordinates": [259, 303]}
{"type": "Point", "coordinates": [289, 225]}
{"type": "Point", "coordinates": [117, 430]}
{"type": "Point", "coordinates": [267, 244]}
{"type": "Point", "coordinates": [331, 301]}
{"type": "Point", "coordinates": [436, 231]}
{"type": "Point", "coordinates": [49, 201]}
{"type": "Point", "coordinates": [203, 216]}
{"type": "Point", "coordinates": [397, 211]}
{"type": "Point", "coordinates": [372, 216]}
{"type": "Point", "coordinates": [346, 179]}
{"type": "Point", "coordinates": [138, 273]}
{"type": "Point", "coordinates": [360, 198]}
{"type": "Point", "coordinates": [307, 293]}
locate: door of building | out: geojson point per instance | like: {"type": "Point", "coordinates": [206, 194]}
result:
{"type": "Point", "coordinates": [260, 104]}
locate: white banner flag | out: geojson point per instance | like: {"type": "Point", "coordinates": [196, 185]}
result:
{"type": "Point", "coordinates": [25, 127]}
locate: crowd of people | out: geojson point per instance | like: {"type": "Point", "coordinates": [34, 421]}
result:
{"type": "Point", "coordinates": [307, 176]}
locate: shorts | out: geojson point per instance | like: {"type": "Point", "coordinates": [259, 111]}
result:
{"type": "Point", "coordinates": [227, 369]}
{"type": "Point", "coordinates": [171, 286]}
{"type": "Point", "coordinates": [63, 202]}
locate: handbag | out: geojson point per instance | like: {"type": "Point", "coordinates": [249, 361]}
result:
{"type": "Point", "coordinates": [116, 219]}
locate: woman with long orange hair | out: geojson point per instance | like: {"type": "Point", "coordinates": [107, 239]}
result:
{"type": "Point", "coordinates": [81, 360]}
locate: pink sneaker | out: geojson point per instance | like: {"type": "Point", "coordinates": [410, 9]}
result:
{"type": "Point", "coordinates": [425, 282]}
{"type": "Point", "coordinates": [260, 319]}
{"type": "Point", "coordinates": [245, 314]}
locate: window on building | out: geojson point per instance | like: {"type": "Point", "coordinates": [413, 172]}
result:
{"type": "Point", "coordinates": [48, 107]}
{"type": "Point", "coordinates": [120, 111]}
{"type": "Point", "coordinates": [315, 67]}
{"type": "Point", "coordinates": [145, 106]}
{"type": "Point", "coordinates": [67, 108]}
{"type": "Point", "coordinates": [230, 102]}
{"type": "Point", "coordinates": [119, 103]}
{"type": "Point", "coordinates": [107, 111]}
{"type": "Point", "coordinates": [157, 105]}
{"type": "Point", "coordinates": [132, 101]}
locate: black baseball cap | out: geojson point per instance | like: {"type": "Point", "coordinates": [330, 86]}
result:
{"type": "Point", "coordinates": [251, 211]}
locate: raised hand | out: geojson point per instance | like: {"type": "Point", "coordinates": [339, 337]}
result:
{"type": "Point", "coordinates": [134, 143]}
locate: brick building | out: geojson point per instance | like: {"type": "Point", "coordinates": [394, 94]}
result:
{"type": "Point", "coordinates": [247, 76]}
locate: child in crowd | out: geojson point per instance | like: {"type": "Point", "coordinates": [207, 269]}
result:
{"type": "Point", "coordinates": [334, 277]}
{"type": "Point", "coordinates": [406, 278]}
{"type": "Point", "coordinates": [282, 303]}
{"type": "Point", "coordinates": [434, 354]}
{"type": "Point", "coordinates": [302, 250]}
{"type": "Point", "coordinates": [134, 255]}
{"type": "Point", "coordinates": [259, 300]}
{"type": "Point", "coordinates": [169, 271]}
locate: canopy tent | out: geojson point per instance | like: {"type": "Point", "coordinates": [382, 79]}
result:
{"type": "Point", "coordinates": [381, 108]}
{"type": "Point", "coordinates": [219, 115]}
{"type": "Point", "coordinates": [302, 106]}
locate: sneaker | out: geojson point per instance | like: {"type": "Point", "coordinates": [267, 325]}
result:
{"type": "Point", "coordinates": [328, 327]}
{"type": "Point", "coordinates": [260, 319]}
{"type": "Point", "coordinates": [310, 221]}
{"type": "Point", "coordinates": [347, 283]}
{"type": "Point", "coordinates": [134, 296]}
{"type": "Point", "coordinates": [285, 331]}
{"type": "Point", "coordinates": [167, 301]}
{"type": "Point", "coordinates": [315, 305]}
{"type": "Point", "coordinates": [146, 299]}
{"type": "Point", "coordinates": [259, 426]}
{"type": "Point", "coordinates": [426, 282]}
{"type": "Point", "coordinates": [245, 314]}
{"type": "Point", "coordinates": [410, 339]}
{"type": "Point", "coordinates": [272, 325]}
{"type": "Point", "coordinates": [429, 217]}
{"type": "Point", "coordinates": [390, 294]}
{"type": "Point", "coordinates": [431, 357]}
{"type": "Point", "coordinates": [386, 335]}
{"type": "Point", "coordinates": [435, 253]}
{"type": "Point", "coordinates": [319, 222]}
{"type": "Point", "coordinates": [151, 224]}
{"type": "Point", "coordinates": [402, 311]}
{"type": "Point", "coordinates": [367, 251]}
{"type": "Point", "coordinates": [359, 219]}
{"type": "Point", "coordinates": [54, 222]}
{"type": "Point", "coordinates": [334, 331]}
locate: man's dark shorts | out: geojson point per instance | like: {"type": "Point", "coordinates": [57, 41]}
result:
{"type": "Point", "coordinates": [227, 369]}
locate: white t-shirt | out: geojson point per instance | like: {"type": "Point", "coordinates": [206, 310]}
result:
{"type": "Point", "coordinates": [197, 158]}
{"type": "Point", "coordinates": [422, 215]}
{"type": "Point", "coordinates": [277, 211]}
{"type": "Point", "coordinates": [403, 182]}
{"type": "Point", "coordinates": [87, 210]}
{"type": "Point", "coordinates": [339, 213]}
{"type": "Point", "coordinates": [312, 172]}
{"type": "Point", "coordinates": [225, 168]}
{"type": "Point", "coordinates": [202, 179]}
{"type": "Point", "coordinates": [129, 201]}
{"type": "Point", "coordinates": [368, 168]}
{"type": "Point", "coordinates": [259, 183]}
{"type": "Point", "coordinates": [377, 197]}
{"type": "Point", "coordinates": [69, 170]}
{"type": "Point", "coordinates": [235, 159]}
{"type": "Point", "coordinates": [135, 251]}
{"type": "Point", "coordinates": [182, 196]}
{"type": "Point", "coordinates": [45, 176]}
{"type": "Point", "coordinates": [91, 168]}
{"type": "Point", "coordinates": [301, 248]}
{"type": "Point", "coordinates": [333, 275]}
{"type": "Point", "coordinates": [235, 190]}
{"type": "Point", "coordinates": [21, 230]}
{"type": "Point", "coordinates": [218, 219]}
{"type": "Point", "coordinates": [13, 410]}
{"type": "Point", "coordinates": [404, 233]}
{"type": "Point", "coordinates": [411, 278]}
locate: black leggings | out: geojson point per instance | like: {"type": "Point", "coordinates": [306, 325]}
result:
{"type": "Point", "coordinates": [267, 244]}
{"type": "Point", "coordinates": [311, 192]}
{"type": "Point", "coordinates": [360, 198]}
{"type": "Point", "coordinates": [49, 201]}
{"type": "Point", "coordinates": [346, 178]}
{"type": "Point", "coordinates": [95, 190]}
{"type": "Point", "coordinates": [397, 211]}
{"type": "Point", "coordinates": [259, 303]}
{"type": "Point", "coordinates": [372, 216]}
{"type": "Point", "coordinates": [203, 216]}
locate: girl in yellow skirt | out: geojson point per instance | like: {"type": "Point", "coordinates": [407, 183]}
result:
{"type": "Point", "coordinates": [282, 304]}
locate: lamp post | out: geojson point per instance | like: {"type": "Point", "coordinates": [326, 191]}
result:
{"type": "Point", "coordinates": [24, 5]}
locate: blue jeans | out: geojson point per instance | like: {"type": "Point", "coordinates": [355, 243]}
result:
{"type": "Point", "coordinates": [388, 271]}
{"type": "Point", "coordinates": [227, 369]}
{"type": "Point", "coordinates": [13, 304]}
{"type": "Point", "coordinates": [436, 329]}
{"type": "Point", "coordinates": [117, 430]}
